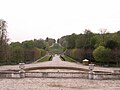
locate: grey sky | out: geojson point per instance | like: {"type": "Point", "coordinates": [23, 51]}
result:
{"type": "Point", "coordinates": [29, 19]}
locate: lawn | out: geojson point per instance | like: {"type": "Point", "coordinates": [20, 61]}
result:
{"type": "Point", "coordinates": [66, 58]}
{"type": "Point", "coordinates": [44, 59]}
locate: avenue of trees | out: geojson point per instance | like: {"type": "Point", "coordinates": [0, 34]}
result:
{"type": "Point", "coordinates": [101, 48]}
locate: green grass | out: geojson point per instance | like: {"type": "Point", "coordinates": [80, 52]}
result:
{"type": "Point", "coordinates": [57, 49]}
{"type": "Point", "coordinates": [66, 58]}
{"type": "Point", "coordinates": [44, 59]}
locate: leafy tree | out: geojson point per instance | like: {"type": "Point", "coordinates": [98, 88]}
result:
{"type": "Point", "coordinates": [63, 41]}
{"type": "Point", "coordinates": [84, 40]}
{"type": "Point", "coordinates": [39, 43]}
{"type": "Point", "coordinates": [51, 41]}
{"type": "Point", "coordinates": [14, 44]}
{"type": "Point", "coordinates": [71, 41]}
{"type": "Point", "coordinates": [3, 41]}
{"type": "Point", "coordinates": [80, 41]}
{"type": "Point", "coordinates": [102, 54]}
{"type": "Point", "coordinates": [17, 54]}
{"type": "Point", "coordinates": [28, 44]}
{"type": "Point", "coordinates": [111, 44]}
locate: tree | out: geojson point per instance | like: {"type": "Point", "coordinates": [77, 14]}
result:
{"type": "Point", "coordinates": [84, 40]}
{"type": "Point", "coordinates": [3, 31]}
{"type": "Point", "coordinates": [103, 32]}
{"type": "Point", "coordinates": [17, 54]}
{"type": "Point", "coordinates": [102, 54]}
{"type": "Point", "coordinates": [71, 41]}
{"type": "Point", "coordinates": [80, 41]}
{"type": "Point", "coordinates": [28, 44]}
{"type": "Point", "coordinates": [39, 44]}
{"type": "Point", "coordinates": [111, 44]}
{"type": "Point", "coordinates": [3, 40]}
{"type": "Point", "coordinates": [63, 41]}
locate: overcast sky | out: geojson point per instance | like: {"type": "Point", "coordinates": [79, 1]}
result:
{"type": "Point", "coordinates": [34, 19]}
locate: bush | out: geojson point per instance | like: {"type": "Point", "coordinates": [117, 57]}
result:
{"type": "Point", "coordinates": [102, 54]}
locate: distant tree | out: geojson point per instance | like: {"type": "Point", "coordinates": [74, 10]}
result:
{"type": "Point", "coordinates": [17, 55]}
{"type": "Point", "coordinates": [39, 43]}
{"type": "Point", "coordinates": [58, 40]}
{"type": "Point", "coordinates": [103, 32]}
{"type": "Point", "coordinates": [47, 39]}
{"type": "Point", "coordinates": [118, 32]}
{"type": "Point", "coordinates": [63, 41]}
{"type": "Point", "coordinates": [14, 44]}
{"type": "Point", "coordinates": [80, 41]}
{"type": "Point", "coordinates": [116, 37]}
{"type": "Point", "coordinates": [93, 41]}
{"type": "Point", "coordinates": [71, 41]}
{"type": "Point", "coordinates": [28, 44]}
{"type": "Point", "coordinates": [84, 40]}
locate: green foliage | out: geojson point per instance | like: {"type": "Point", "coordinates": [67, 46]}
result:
{"type": "Point", "coordinates": [66, 58]}
{"type": "Point", "coordinates": [34, 43]}
{"type": "Point", "coordinates": [71, 41]}
{"type": "Point", "coordinates": [56, 48]}
{"type": "Point", "coordinates": [28, 44]}
{"type": "Point", "coordinates": [33, 54]}
{"type": "Point", "coordinates": [39, 43]}
{"type": "Point", "coordinates": [102, 54]}
{"type": "Point", "coordinates": [50, 41]}
{"type": "Point", "coordinates": [73, 53]}
{"type": "Point", "coordinates": [27, 51]}
{"type": "Point", "coordinates": [3, 42]}
{"type": "Point", "coordinates": [46, 58]}
{"type": "Point", "coordinates": [79, 54]}
{"type": "Point", "coordinates": [104, 46]}
{"type": "Point", "coordinates": [17, 54]}
{"type": "Point", "coordinates": [111, 44]}
{"type": "Point", "coordinates": [80, 41]}
{"type": "Point", "coordinates": [63, 42]}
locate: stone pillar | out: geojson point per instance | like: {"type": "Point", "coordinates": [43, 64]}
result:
{"type": "Point", "coordinates": [91, 67]}
{"type": "Point", "coordinates": [22, 71]}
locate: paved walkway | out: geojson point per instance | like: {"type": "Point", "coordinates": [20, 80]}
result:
{"type": "Point", "coordinates": [56, 62]}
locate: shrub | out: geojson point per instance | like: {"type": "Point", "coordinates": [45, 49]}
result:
{"type": "Point", "coordinates": [102, 54]}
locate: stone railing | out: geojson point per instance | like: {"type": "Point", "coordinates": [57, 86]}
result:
{"type": "Point", "coordinates": [80, 75]}
{"type": "Point", "coordinates": [56, 75]}
{"type": "Point", "coordinates": [105, 76]}
{"type": "Point", "coordinates": [9, 74]}
{"type": "Point", "coordinates": [83, 74]}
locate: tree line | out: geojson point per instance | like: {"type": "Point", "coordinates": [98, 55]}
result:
{"type": "Point", "coordinates": [101, 48]}
{"type": "Point", "coordinates": [26, 51]}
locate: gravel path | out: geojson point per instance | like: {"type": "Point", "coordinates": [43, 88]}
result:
{"type": "Point", "coordinates": [58, 84]}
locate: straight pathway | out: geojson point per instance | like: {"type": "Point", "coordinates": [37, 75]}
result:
{"type": "Point", "coordinates": [56, 62]}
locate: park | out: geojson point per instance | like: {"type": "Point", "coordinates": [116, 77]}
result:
{"type": "Point", "coordinates": [72, 62]}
